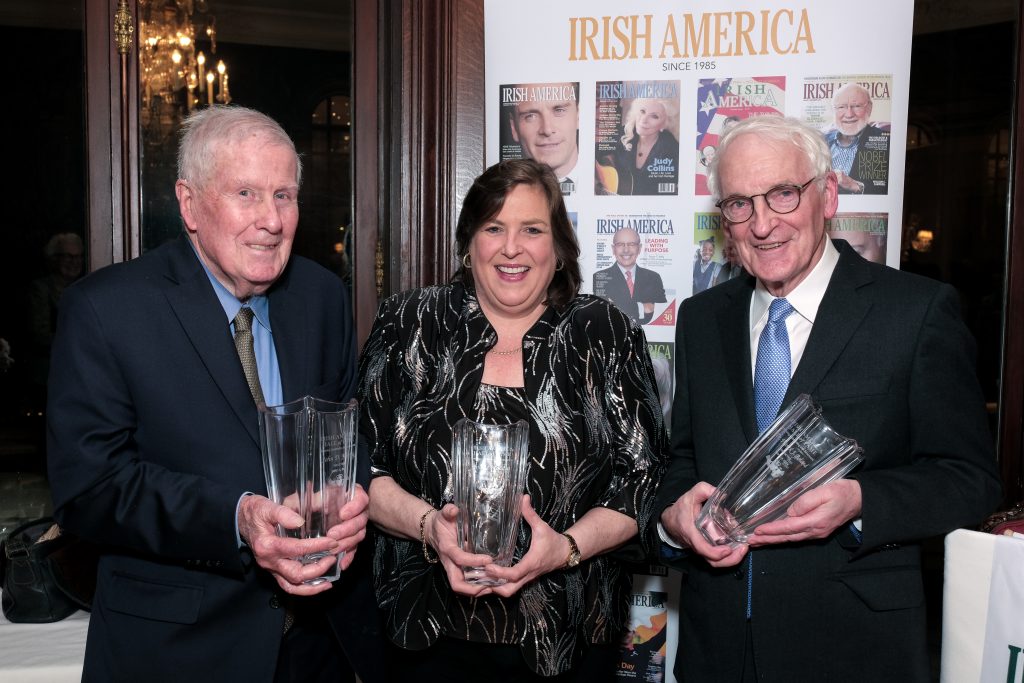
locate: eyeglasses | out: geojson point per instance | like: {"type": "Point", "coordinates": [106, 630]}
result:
{"type": "Point", "coordinates": [632, 245]}
{"type": "Point", "coordinates": [780, 199]}
{"type": "Point", "coordinates": [855, 108]}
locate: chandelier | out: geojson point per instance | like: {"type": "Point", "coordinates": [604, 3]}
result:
{"type": "Point", "coordinates": [175, 75]}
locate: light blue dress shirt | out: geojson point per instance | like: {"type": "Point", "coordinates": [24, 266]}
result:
{"type": "Point", "coordinates": [263, 346]}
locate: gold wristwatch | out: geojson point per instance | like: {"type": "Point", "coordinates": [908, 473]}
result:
{"type": "Point", "coordinates": [574, 552]}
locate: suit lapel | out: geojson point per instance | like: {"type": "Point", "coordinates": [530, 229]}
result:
{"type": "Point", "coordinates": [289, 321]}
{"type": "Point", "coordinates": [202, 318]}
{"type": "Point", "coordinates": [841, 312]}
{"type": "Point", "coordinates": [645, 280]}
{"type": "Point", "coordinates": [620, 283]}
{"type": "Point", "coordinates": [734, 331]}
{"type": "Point", "coordinates": [641, 279]}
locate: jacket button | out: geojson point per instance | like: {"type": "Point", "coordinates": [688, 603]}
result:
{"type": "Point", "coordinates": [274, 602]}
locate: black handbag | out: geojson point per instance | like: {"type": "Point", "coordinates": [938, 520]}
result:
{"type": "Point", "coordinates": [46, 574]}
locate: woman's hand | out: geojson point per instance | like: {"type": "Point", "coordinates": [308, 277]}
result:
{"type": "Point", "coordinates": [439, 532]}
{"type": "Point", "coordinates": [548, 551]}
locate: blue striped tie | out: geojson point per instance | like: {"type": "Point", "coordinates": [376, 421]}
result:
{"type": "Point", "coordinates": [771, 379]}
{"type": "Point", "coordinates": [772, 370]}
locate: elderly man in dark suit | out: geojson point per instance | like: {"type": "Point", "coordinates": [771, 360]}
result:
{"type": "Point", "coordinates": [833, 591]}
{"type": "Point", "coordinates": [633, 289]}
{"type": "Point", "coordinates": [153, 444]}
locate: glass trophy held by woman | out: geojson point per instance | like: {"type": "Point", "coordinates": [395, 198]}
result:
{"type": "Point", "coordinates": [489, 464]}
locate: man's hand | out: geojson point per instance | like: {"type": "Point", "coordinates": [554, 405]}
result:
{"type": "Point", "coordinates": [351, 529]}
{"type": "Point", "coordinates": [815, 514]}
{"type": "Point", "coordinates": [680, 522]}
{"type": "Point", "coordinates": [258, 518]}
{"type": "Point", "coordinates": [849, 184]}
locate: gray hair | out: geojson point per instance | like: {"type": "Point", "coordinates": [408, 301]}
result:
{"type": "Point", "coordinates": [206, 129]}
{"type": "Point", "coordinates": [53, 246]}
{"type": "Point", "coordinates": [808, 140]}
{"type": "Point", "coordinates": [853, 87]}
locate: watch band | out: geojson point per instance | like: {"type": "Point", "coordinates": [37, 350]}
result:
{"type": "Point", "coordinates": [574, 552]}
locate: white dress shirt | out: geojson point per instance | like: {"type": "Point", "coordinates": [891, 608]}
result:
{"type": "Point", "coordinates": [805, 300]}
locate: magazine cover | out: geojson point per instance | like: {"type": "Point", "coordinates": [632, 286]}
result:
{"type": "Point", "coordinates": [631, 255]}
{"type": "Point", "coordinates": [636, 138]}
{"type": "Point", "coordinates": [854, 115]}
{"type": "Point", "coordinates": [662, 358]}
{"type": "Point", "coordinates": [724, 101]}
{"type": "Point", "coordinates": [867, 233]}
{"type": "Point", "coordinates": [643, 648]}
{"type": "Point", "coordinates": [709, 250]}
{"type": "Point", "coordinates": [541, 121]}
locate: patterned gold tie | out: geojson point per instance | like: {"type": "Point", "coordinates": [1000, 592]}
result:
{"type": "Point", "coordinates": [243, 344]}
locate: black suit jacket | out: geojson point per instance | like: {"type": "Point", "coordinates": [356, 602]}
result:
{"type": "Point", "coordinates": [647, 288]}
{"type": "Point", "coordinates": [153, 439]}
{"type": "Point", "coordinates": [891, 364]}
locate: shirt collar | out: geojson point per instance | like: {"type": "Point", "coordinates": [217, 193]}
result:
{"type": "Point", "coordinates": [806, 297]}
{"type": "Point", "coordinates": [259, 304]}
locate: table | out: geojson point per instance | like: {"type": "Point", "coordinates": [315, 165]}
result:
{"type": "Point", "coordinates": [983, 600]}
{"type": "Point", "coordinates": [43, 653]}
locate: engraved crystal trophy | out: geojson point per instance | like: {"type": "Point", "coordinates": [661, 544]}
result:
{"type": "Point", "coordinates": [798, 452]}
{"type": "Point", "coordinates": [309, 460]}
{"type": "Point", "coordinates": [489, 464]}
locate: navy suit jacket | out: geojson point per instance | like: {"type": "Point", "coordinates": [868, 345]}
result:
{"type": "Point", "coordinates": [610, 283]}
{"type": "Point", "coordinates": [892, 365]}
{"type": "Point", "coordinates": [152, 440]}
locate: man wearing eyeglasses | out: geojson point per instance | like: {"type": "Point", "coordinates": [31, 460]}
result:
{"type": "Point", "coordinates": [858, 147]}
{"type": "Point", "coordinates": [833, 591]}
{"type": "Point", "coordinates": [633, 289]}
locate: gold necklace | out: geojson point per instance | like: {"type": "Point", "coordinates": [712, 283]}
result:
{"type": "Point", "coordinates": [510, 352]}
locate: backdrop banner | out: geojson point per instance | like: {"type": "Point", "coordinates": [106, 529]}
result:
{"type": "Point", "coordinates": [627, 101]}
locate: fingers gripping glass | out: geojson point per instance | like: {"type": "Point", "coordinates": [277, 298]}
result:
{"type": "Point", "coordinates": [780, 199]}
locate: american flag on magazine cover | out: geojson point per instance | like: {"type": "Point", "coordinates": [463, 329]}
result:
{"type": "Point", "coordinates": [722, 101]}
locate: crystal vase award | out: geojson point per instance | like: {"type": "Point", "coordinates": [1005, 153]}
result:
{"type": "Point", "coordinates": [489, 465]}
{"type": "Point", "coordinates": [309, 459]}
{"type": "Point", "coordinates": [798, 452]}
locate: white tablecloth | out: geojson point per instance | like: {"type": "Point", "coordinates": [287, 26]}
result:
{"type": "Point", "coordinates": [982, 608]}
{"type": "Point", "coordinates": [43, 653]}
